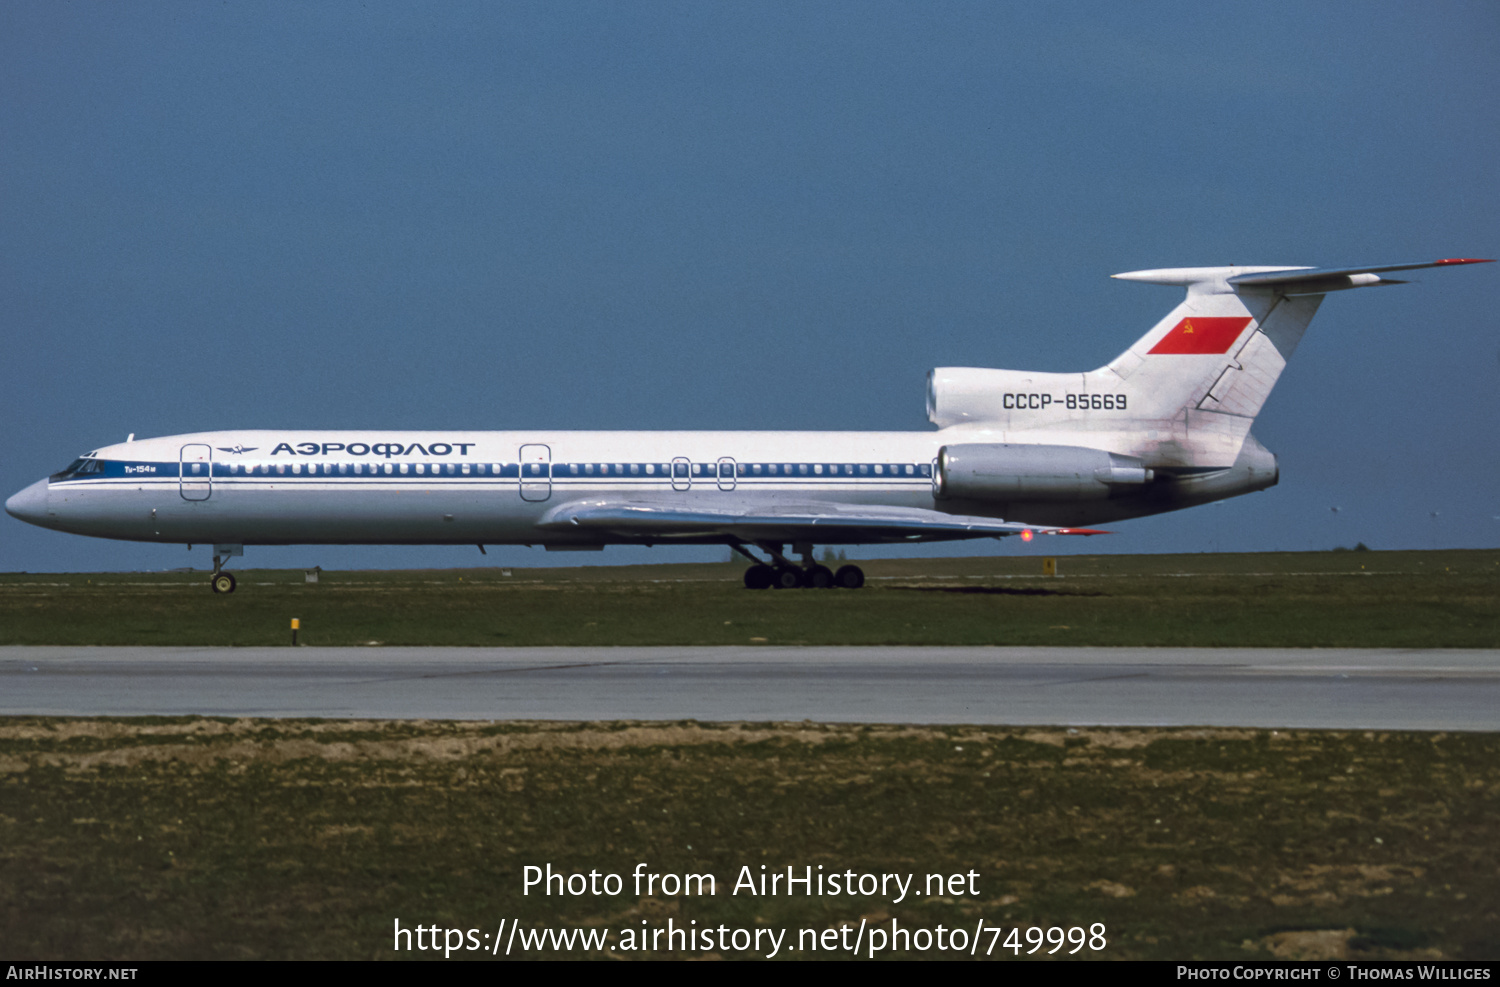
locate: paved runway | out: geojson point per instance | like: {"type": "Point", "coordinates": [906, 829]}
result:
{"type": "Point", "coordinates": [1337, 688]}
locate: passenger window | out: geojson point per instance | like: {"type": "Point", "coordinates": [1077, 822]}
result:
{"type": "Point", "coordinates": [879, 469]}
{"type": "Point", "coordinates": [572, 468]}
{"type": "Point", "coordinates": [465, 470]}
{"type": "Point", "coordinates": [635, 468]}
{"type": "Point", "coordinates": [863, 469]}
{"type": "Point", "coordinates": [818, 468]}
{"type": "Point", "coordinates": [588, 468]}
{"type": "Point", "coordinates": [910, 469]}
{"type": "Point", "coordinates": [756, 469]}
{"type": "Point", "coordinates": [388, 469]}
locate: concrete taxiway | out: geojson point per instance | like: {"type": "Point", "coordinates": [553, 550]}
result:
{"type": "Point", "coordinates": [1332, 688]}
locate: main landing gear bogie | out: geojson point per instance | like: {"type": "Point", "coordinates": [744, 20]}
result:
{"type": "Point", "coordinates": [222, 582]}
{"type": "Point", "coordinates": [786, 574]}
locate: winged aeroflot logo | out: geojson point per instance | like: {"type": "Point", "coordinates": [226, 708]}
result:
{"type": "Point", "coordinates": [237, 449]}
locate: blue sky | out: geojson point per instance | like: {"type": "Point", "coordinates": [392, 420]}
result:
{"type": "Point", "coordinates": [769, 215]}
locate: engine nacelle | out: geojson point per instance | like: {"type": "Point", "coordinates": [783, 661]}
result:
{"type": "Point", "coordinates": [1036, 473]}
{"type": "Point", "coordinates": [958, 395]}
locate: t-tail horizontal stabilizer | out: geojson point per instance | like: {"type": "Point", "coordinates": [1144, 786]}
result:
{"type": "Point", "coordinates": [1286, 280]}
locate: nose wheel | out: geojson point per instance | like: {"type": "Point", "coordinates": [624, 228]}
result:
{"type": "Point", "coordinates": [221, 581]}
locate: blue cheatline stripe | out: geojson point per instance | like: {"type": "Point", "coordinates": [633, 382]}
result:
{"type": "Point", "coordinates": [644, 473]}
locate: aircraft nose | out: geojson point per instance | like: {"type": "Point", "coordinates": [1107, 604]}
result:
{"type": "Point", "coordinates": [30, 505]}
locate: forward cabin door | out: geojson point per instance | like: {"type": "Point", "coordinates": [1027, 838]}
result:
{"type": "Point", "coordinates": [195, 472]}
{"type": "Point", "coordinates": [536, 472]}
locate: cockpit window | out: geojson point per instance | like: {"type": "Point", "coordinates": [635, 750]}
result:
{"type": "Point", "coordinates": [80, 467]}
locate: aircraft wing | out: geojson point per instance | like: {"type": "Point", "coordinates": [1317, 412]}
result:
{"type": "Point", "coordinates": [823, 522]}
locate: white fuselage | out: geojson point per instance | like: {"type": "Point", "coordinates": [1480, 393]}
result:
{"type": "Point", "coordinates": [354, 487]}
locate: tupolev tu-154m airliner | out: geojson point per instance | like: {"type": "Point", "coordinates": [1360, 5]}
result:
{"type": "Point", "coordinates": [1163, 426]}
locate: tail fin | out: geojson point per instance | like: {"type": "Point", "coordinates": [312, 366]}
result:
{"type": "Point", "coordinates": [1184, 394]}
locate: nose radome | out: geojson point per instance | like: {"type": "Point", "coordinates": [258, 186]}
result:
{"type": "Point", "coordinates": [29, 505]}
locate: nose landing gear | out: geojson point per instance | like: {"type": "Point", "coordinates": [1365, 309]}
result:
{"type": "Point", "coordinates": [221, 581]}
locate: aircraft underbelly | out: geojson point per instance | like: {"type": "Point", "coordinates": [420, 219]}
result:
{"type": "Point", "coordinates": [336, 514]}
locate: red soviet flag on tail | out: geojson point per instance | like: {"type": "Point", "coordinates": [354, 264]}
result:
{"type": "Point", "coordinates": [1202, 334]}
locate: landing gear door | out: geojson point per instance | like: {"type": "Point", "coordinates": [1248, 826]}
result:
{"type": "Point", "coordinates": [195, 472]}
{"type": "Point", "coordinates": [536, 472]}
